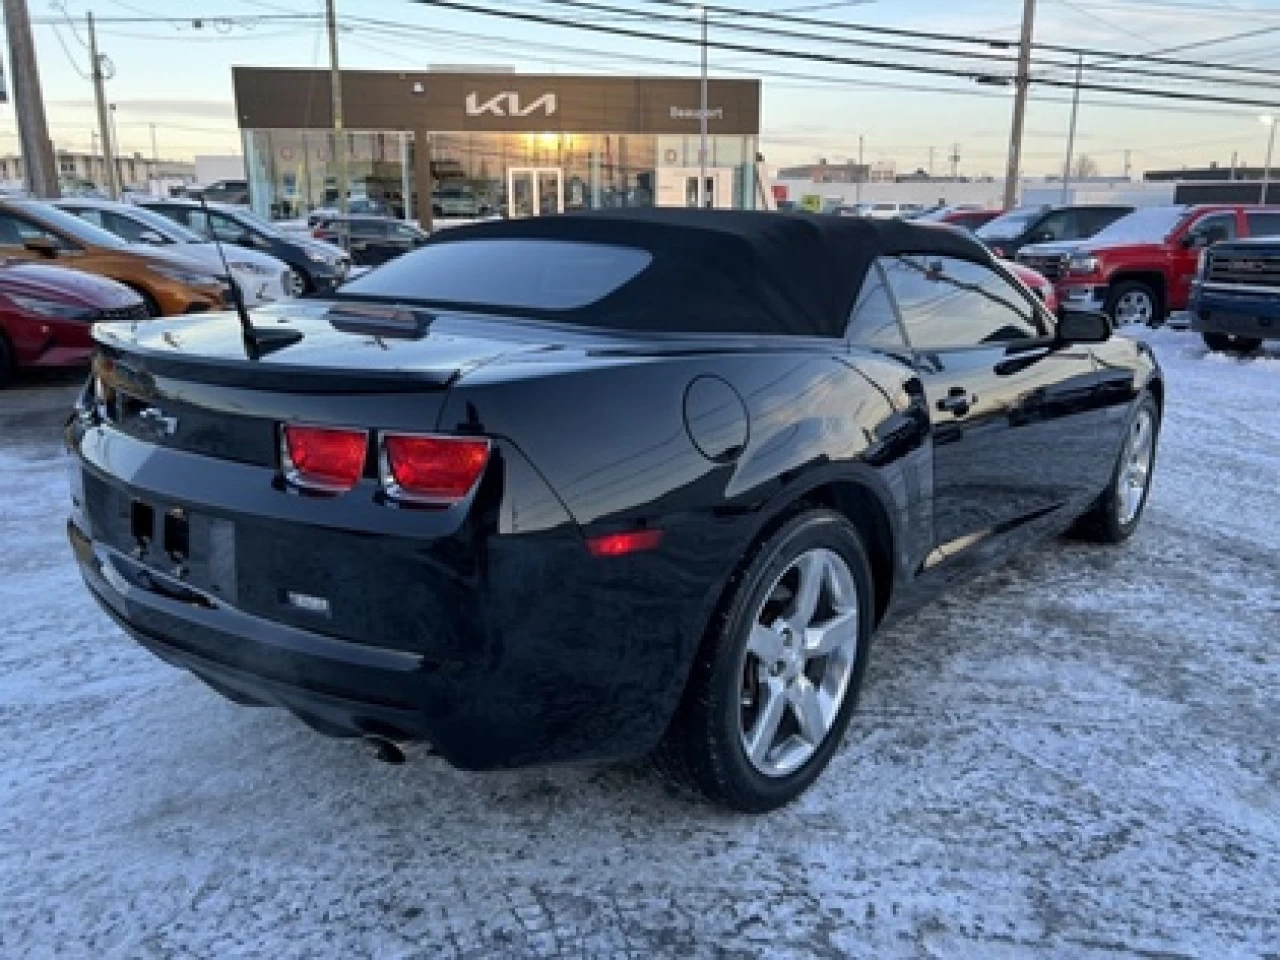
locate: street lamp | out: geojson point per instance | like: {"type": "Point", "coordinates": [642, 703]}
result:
{"type": "Point", "coordinates": [701, 13]}
{"type": "Point", "coordinates": [1270, 121]}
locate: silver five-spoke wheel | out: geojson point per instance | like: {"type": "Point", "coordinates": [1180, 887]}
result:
{"type": "Point", "coordinates": [1135, 466]}
{"type": "Point", "coordinates": [295, 284]}
{"type": "Point", "coordinates": [1136, 306]}
{"type": "Point", "coordinates": [799, 660]}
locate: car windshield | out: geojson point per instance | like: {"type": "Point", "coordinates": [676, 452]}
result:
{"type": "Point", "coordinates": [517, 274]}
{"type": "Point", "coordinates": [73, 226]}
{"type": "Point", "coordinates": [1142, 226]}
{"type": "Point", "coordinates": [162, 225]}
{"type": "Point", "coordinates": [1010, 225]}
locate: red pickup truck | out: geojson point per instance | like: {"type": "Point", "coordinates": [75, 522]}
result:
{"type": "Point", "coordinates": [1140, 268]}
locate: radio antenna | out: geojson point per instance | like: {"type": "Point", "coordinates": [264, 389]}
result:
{"type": "Point", "coordinates": [251, 345]}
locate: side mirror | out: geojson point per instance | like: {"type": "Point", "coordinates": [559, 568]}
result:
{"type": "Point", "coordinates": [150, 236]}
{"type": "Point", "coordinates": [1194, 241]}
{"type": "Point", "coordinates": [1084, 326]}
{"type": "Point", "coordinates": [42, 245]}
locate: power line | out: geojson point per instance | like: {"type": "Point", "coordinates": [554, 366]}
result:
{"type": "Point", "coordinates": [843, 61]}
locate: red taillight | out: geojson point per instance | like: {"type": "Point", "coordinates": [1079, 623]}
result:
{"type": "Point", "coordinates": [323, 458]}
{"type": "Point", "coordinates": [439, 470]}
{"type": "Point", "coordinates": [620, 544]}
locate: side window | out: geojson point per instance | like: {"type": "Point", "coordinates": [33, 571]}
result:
{"type": "Point", "coordinates": [1215, 227]}
{"type": "Point", "coordinates": [1093, 220]}
{"type": "Point", "coordinates": [873, 321]}
{"type": "Point", "coordinates": [92, 216]}
{"type": "Point", "coordinates": [402, 231]}
{"type": "Point", "coordinates": [15, 231]}
{"type": "Point", "coordinates": [226, 229]}
{"type": "Point", "coordinates": [192, 219]}
{"type": "Point", "coordinates": [1061, 225]}
{"type": "Point", "coordinates": [1263, 224]}
{"type": "Point", "coordinates": [124, 227]}
{"type": "Point", "coordinates": [954, 303]}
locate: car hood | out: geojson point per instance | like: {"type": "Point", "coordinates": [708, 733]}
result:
{"type": "Point", "coordinates": [169, 257]}
{"type": "Point", "coordinates": [1058, 248]}
{"type": "Point", "coordinates": [65, 285]}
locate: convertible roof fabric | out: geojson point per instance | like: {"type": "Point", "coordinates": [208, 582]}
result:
{"type": "Point", "coordinates": [728, 271]}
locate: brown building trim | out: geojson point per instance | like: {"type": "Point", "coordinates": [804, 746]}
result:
{"type": "Point", "coordinates": [286, 98]}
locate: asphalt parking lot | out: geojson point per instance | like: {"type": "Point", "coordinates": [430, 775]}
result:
{"type": "Point", "coordinates": [1074, 757]}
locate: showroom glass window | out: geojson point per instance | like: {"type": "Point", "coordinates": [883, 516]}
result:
{"type": "Point", "coordinates": [947, 303]}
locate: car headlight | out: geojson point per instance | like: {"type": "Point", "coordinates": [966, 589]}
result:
{"type": "Point", "coordinates": [53, 309]}
{"type": "Point", "coordinates": [257, 269]}
{"type": "Point", "coordinates": [1083, 265]}
{"type": "Point", "coordinates": [189, 277]}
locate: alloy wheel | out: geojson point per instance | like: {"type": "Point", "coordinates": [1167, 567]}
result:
{"type": "Point", "coordinates": [1136, 306]}
{"type": "Point", "coordinates": [799, 660]}
{"type": "Point", "coordinates": [1135, 467]}
{"type": "Point", "coordinates": [295, 285]}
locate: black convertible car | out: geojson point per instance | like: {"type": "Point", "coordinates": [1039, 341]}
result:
{"type": "Point", "coordinates": [600, 485]}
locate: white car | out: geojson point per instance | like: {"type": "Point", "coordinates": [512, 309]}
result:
{"type": "Point", "coordinates": [260, 277]}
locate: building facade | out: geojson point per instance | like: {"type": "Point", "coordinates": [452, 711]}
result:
{"type": "Point", "coordinates": [78, 170]}
{"type": "Point", "coordinates": [519, 144]}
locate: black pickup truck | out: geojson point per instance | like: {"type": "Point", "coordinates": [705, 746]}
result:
{"type": "Point", "coordinates": [1235, 302]}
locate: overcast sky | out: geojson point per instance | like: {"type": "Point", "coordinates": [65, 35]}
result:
{"type": "Point", "coordinates": [179, 77]}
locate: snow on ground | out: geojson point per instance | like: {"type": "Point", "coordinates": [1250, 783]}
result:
{"type": "Point", "coordinates": [1075, 757]}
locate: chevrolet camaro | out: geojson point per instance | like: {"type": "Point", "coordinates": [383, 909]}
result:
{"type": "Point", "coordinates": [599, 486]}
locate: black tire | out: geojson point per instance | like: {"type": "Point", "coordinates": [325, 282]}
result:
{"type": "Point", "coordinates": [1227, 343]}
{"type": "Point", "coordinates": [1133, 291]}
{"type": "Point", "coordinates": [153, 308]}
{"type": "Point", "coordinates": [8, 362]}
{"type": "Point", "coordinates": [703, 748]}
{"type": "Point", "coordinates": [1103, 523]}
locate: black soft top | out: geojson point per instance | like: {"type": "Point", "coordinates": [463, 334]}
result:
{"type": "Point", "coordinates": [732, 271]}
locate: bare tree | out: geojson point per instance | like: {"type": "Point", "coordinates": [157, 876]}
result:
{"type": "Point", "coordinates": [1085, 167]}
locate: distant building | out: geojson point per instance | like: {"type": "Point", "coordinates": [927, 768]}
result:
{"type": "Point", "coordinates": [823, 172]}
{"type": "Point", "coordinates": [84, 169]}
{"type": "Point", "coordinates": [1212, 172]}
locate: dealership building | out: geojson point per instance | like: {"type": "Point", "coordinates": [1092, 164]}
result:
{"type": "Point", "coordinates": [522, 144]}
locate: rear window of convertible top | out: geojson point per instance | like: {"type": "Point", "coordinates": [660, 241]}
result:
{"type": "Point", "coordinates": [518, 274]}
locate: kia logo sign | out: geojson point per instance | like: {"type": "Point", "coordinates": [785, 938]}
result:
{"type": "Point", "coordinates": [507, 104]}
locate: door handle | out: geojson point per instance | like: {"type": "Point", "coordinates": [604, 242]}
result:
{"type": "Point", "coordinates": [957, 401]}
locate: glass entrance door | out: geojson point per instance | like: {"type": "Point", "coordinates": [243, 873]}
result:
{"type": "Point", "coordinates": [534, 191]}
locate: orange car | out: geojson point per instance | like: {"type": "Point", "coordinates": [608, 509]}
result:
{"type": "Point", "coordinates": [168, 283]}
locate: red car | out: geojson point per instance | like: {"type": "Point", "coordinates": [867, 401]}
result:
{"type": "Point", "coordinates": [1038, 284]}
{"type": "Point", "coordinates": [46, 313]}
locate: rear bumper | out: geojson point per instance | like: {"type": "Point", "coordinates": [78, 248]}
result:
{"type": "Point", "coordinates": [1237, 314]}
{"type": "Point", "coordinates": [506, 651]}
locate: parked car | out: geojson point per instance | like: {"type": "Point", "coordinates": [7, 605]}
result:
{"type": "Point", "coordinates": [885, 211]}
{"type": "Point", "coordinates": [356, 207]}
{"type": "Point", "coordinates": [314, 266]}
{"type": "Point", "coordinates": [260, 277]}
{"type": "Point", "coordinates": [1010, 232]}
{"type": "Point", "coordinates": [222, 191]}
{"type": "Point", "coordinates": [576, 488]}
{"type": "Point", "coordinates": [457, 202]}
{"type": "Point", "coordinates": [961, 216]}
{"type": "Point", "coordinates": [47, 312]}
{"type": "Point", "coordinates": [371, 240]}
{"type": "Point", "coordinates": [1037, 283]}
{"type": "Point", "coordinates": [1234, 305]}
{"type": "Point", "coordinates": [1140, 268]}
{"type": "Point", "coordinates": [168, 283]}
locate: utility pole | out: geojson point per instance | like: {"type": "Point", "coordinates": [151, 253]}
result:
{"type": "Point", "coordinates": [339, 138]}
{"type": "Point", "coordinates": [155, 160]}
{"type": "Point", "coordinates": [1235, 155]}
{"type": "Point", "coordinates": [1127, 165]}
{"type": "Point", "coordinates": [1071, 130]}
{"type": "Point", "coordinates": [104, 121]}
{"type": "Point", "coordinates": [931, 163]}
{"type": "Point", "coordinates": [28, 103]}
{"type": "Point", "coordinates": [1013, 171]}
{"type": "Point", "coordinates": [1270, 121]}
{"type": "Point", "coordinates": [955, 162]}
{"type": "Point", "coordinates": [702, 118]}
{"type": "Point", "coordinates": [862, 171]}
